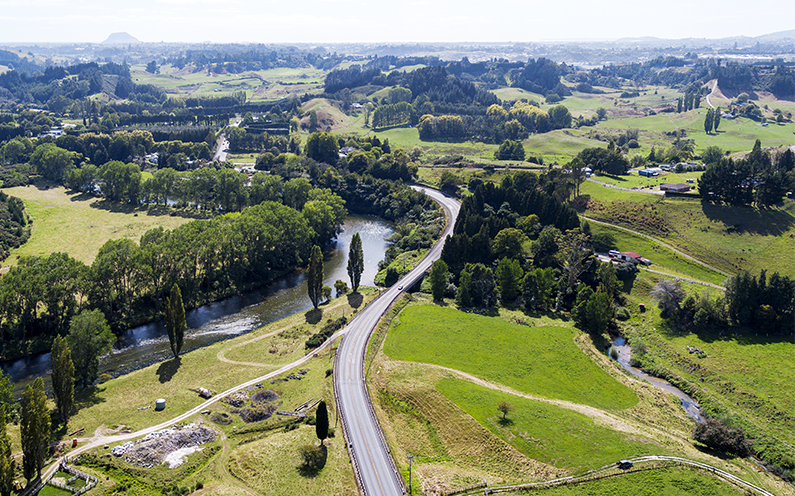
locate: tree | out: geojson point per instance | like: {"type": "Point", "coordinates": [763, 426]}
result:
{"type": "Point", "coordinates": [509, 243]}
{"type": "Point", "coordinates": [708, 121]}
{"type": "Point", "coordinates": [438, 277]}
{"type": "Point", "coordinates": [89, 338]}
{"type": "Point", "coordinates": [34, 429]}
{"type": "Point", "coordinates": [312, 457]}
{"type": "Point", "coordinates": [462, 297]}
{"type": "Point", "coordinates": [577, 170]}
{"type": "Point", "coordinates": [296, 192]}
{"type": "Point", "coordinates": [355, 262]}
{"type": "Point", "coordinates": [598, 312]}
{"type": "Point", "coordinates": [509, 279]}
{"type": "Point", "coordinates": [716, 119]}
{"type": "Point", "coordinates": [505, 408]}
{"type": "Point", "coordinates": [341, 287]}
{"type": "Point", "coordinates": [321, 422]}
{"type": "Point", "coordinates": [314, 276]}
{"type": "Point", "coordinates": [574, 255]}
{"type": "Point", "coordinates": [63, 378]}
{"type": "Point", "coordinates": [175, 320]}
{"type": "Point", "coordinates": [668, 294]}
{"type": "Point", "coordinates": [323, 147]}
{"type": "Point", "coordinates": [6, 460]}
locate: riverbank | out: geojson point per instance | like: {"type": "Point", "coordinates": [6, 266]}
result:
{"type": "Point", "coordinates": [240, 314]}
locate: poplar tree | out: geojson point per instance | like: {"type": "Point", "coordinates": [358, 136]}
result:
{"type": "Point", "coordinates": [321, 422]}
{"type": "Point", "coordinates": [708, 121]}
{"type": "Point", "coordinates": [34, 429]}
{"type": "Point", "coordinates": [314, 276]}
{"type": "Point", "coordinates": [355, 261]}
{"type": "Point", "coordinates": [175, 320]}
{"type": "Point", "coordinates": [63, 378]}
{"type": "Point", "coordinates": [6, 460]}
{"type": "Point", "coordinates": [716, 119]}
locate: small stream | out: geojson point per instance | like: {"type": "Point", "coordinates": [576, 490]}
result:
{"type": "Point", "coordinates": [688, 403]}
{"type": "Point", "coordinates": [146, 344]}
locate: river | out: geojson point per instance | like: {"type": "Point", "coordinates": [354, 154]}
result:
{"type": "Point", "coordinates": [688, 403]}
{"type": "Point", "coordinates": [147, 344]}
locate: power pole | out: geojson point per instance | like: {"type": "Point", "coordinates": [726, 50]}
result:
{"type": "Point", "coordinates": [410, 457]}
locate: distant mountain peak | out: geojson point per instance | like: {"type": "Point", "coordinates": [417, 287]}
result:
{"type": "Point", "coordinates": [117, 38]}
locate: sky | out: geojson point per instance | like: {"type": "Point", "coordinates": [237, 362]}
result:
{"type": "Point", "coordinates": [326, 21]}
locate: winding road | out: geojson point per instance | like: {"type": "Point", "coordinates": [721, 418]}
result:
{"type": "Point", "coordinates": [374, 467]}
{"type": "Point", "coordinates": [372, 462]}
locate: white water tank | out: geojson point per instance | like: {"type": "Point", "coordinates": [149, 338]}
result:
{"type": "Point", "coordinates": [160, 405]}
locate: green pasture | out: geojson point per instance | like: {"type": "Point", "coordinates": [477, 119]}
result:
{"type": "Point", "coordinates": [536, 360]}
{"type": "Point", "coordinates": [544, 432]}
{"type": "Point", "coordinates": [663, 259]}
{"type": "Point", "coordinates": [79, 224]}
{"type": "Point", "coordinates": [729, 238]}
{"type": "Point", "coordinates": [671, 481]}
{"type": "Point", "coordinates": [634, 180]}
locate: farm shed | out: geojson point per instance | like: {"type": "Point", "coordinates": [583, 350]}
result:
{"type": "Point", "coordinates": [676, 188]}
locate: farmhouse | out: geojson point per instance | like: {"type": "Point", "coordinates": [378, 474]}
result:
{"type": "Point", "coordinates": [629, 256]}
{"type": "Point", "coordinates": [676, 188]}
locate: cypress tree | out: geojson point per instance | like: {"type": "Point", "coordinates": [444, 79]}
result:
{"type": "Point", "coordinates": [6, 461]}
{"type": "Point", "coordinates": [355, 261]}
{"type": "Point", "coordinates": [321, 422]}
{"type": "Point", "coordinates": [63, 378]}
{"type": "Point", "coordinates": [175, 320]}
{"type": "Point", "coordinates": [314, 276]}
{"type": "Point", "coordinates": [34, 429]}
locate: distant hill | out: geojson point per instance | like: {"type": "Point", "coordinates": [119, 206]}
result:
{"type": "Point", "coordinates": [781, 35]}
{"type": "Point", "coordinates": [120, 38]}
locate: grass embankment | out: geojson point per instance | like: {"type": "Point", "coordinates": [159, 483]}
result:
{"type": "Point", "coordinates": [253, 458]}
{"type": "Point", "coordinates": [540, 360]}
{"type": "Point", "coordinates": [744, 377]}
{"type": "Point", "coordinates": [80, 224]}
{"type": "Point", "coordinates": [544, 432]}
{"type": "Point", "coordinates": [216, 367]}
{"type": "Point", "coordinates": [728, 238]}
{"type": "Point", "coordinates": [449, 420]}
{"type": "Point", "coordinates": [656, 482]}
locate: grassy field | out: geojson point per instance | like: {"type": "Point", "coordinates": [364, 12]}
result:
{"type": "Point", "coordinates": [547, 433]}
{"type": "Point", "coordinates": [116, 402]}
{"type": "Point", "coordinates": [80, 224]}
{"type": "Point", "coordinates": [728, 238]}
{"type": "Point", "coordinates": [272, 465]}
{"type": "Point", "coordinates": [540, 360]}
{"type": "Point", "coordinates": [450, 424]}
{"type": "Point", "coordinates": [252, 458]}
{"type": "Point", "coordinates": [264, 85]}
{"type": "Point", "coordinates": [657, 482]}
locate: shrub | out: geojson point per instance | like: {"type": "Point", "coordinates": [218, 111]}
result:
{"type": "Point", "coordinates": [720, 437]}
{"type": "Point", "coordinates": [614, 352]}
{"type": "Point", "coordinates": [622, 313]}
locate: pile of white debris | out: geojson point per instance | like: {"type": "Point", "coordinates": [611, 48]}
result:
{"type": "Point", "coordinates": [169, 445]}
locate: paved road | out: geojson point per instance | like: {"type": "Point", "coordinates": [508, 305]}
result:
{"type": "Point", "coordinates": [222, 151]}
{"type": "Point", "coordinates": [373, 464]}
{"type": "Point", "coordinates": [360, 328]}
{"type": "Point", "coordinates": [711, 94]}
